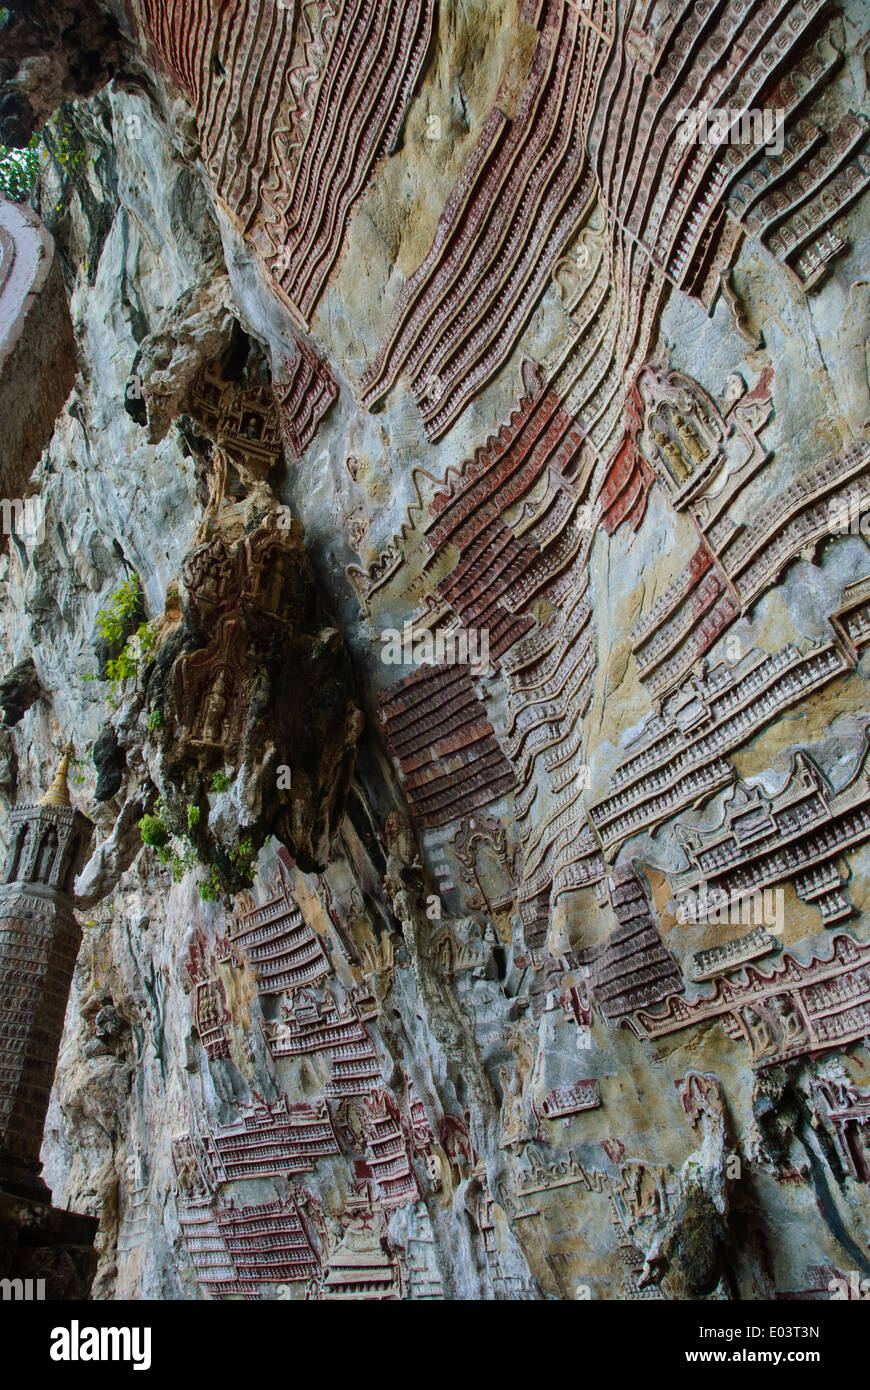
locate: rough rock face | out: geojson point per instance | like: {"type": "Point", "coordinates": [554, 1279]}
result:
{"type": "Point", "coordinates": [51, 52]}
{"type": "Point", "coordinates": [534, 333]}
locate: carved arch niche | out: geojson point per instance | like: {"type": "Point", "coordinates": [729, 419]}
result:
{"type": "Point", "coordinates": [683, 434]}
{"type": "Point", "coordinates": [18, 856]}
{"type": "Point", "coordinates": [490, 866]}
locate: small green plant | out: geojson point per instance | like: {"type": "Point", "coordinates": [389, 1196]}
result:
{"type": "Point", "coordinates": [146, 636]}
{"type": "Point", "coordinates": [78, 765]}
{"type": "Point", "coordinates": [154, 832]}
{"type": "Point", "coordinates": [176, 850]}
{"type": "Point", "coordinates": [69, 159]}
{"type": "Point", "coordinates": [154, 720]}
{"type": "Point", "coordinates": [112, 620]}
{"type": "Point", "coordinates": [210, 886]}
{"type": "Point", "coordinates": [219, 781]}
{"type": "Point", "coordinates": [113, 623]}
{"type": "Point", "coordinates": [72, 160]}
{"type": "Point", "coordinates": [19, 168]}
{"type": "Point", "coordinates": [182, 863]}
{"type": "Point", "coordinates": [121, 667]}
{"type": "Point", "coordinates": [242, 860]}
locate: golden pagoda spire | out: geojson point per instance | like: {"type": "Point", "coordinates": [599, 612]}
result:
{"type": "Point", "coordinates": [58, 792]}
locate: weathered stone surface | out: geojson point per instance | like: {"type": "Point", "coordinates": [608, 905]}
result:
{"type": "Point", "coordinates": [551, 980]}
{"type": "Point", "coordinates": [110, 762]}
{"type": "Point", "coordinates": [51, 53]}
{"type": "Point", "coordinates": [18, 690]}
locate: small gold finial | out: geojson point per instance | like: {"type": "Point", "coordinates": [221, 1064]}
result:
{"type": "Point", "coordinates": [58, 792]}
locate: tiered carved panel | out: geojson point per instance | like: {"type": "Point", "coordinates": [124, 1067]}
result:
{"type": "Point", "coordinates": [303, 393]}
{"type": "Point", "coordinates": [795, 1008]}
{"type": "Point", "coordinates": [309, 1026]}
{"type": "Point", "coordinates": [286, 954]}
{"type": "Point", "coordinates": [271, 1139]}
{"type": "Point", "coordinates": [293, 106]}
{"type": "Point", "coordinates": [800, 833]}
{"type": "Point", "coordinates": [434, 724]}
{"type": "Point", "coordinates": [517, 200]}
{"type": "Point", "coordinates": [211, 1011]}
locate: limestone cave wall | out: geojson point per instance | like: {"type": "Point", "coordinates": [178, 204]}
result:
{"type": "Point", "coordinates": [539, 327]}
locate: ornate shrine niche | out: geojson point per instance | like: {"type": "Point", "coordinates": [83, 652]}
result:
{"type": "Point", "coordinates": [844, 1108]}
{"type": "Point", "coordinates": [683, 432]}
{"type": "Point", "coordinates": [227, 676]}
{"type": "Point", "coordinates": [206, 682]}
{"type": "Point", "coordinates": [365, 1264]}
{"type": "Point", "coordinates": [200, 367]}
{"type": "Point", "coordinates": [453, 950]}
{"type": "Point", "coordinates": [643, 1192]}
{"type": "Point", "coordinates": [490, 867]}
{"type": "Point", "coordinates": [702, 1100]}
{"type": "Point", "coordinates": [194, 1181]}
{"type": "Point", "coordinates": [241, 421]}
{"type": "Point", "coordinates": [701, 451]}
{"type": "Point", "coordinates": [212, 996]}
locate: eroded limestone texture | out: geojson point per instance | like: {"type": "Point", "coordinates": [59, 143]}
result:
{"type": "Point", "coordinates": [546, 977]}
